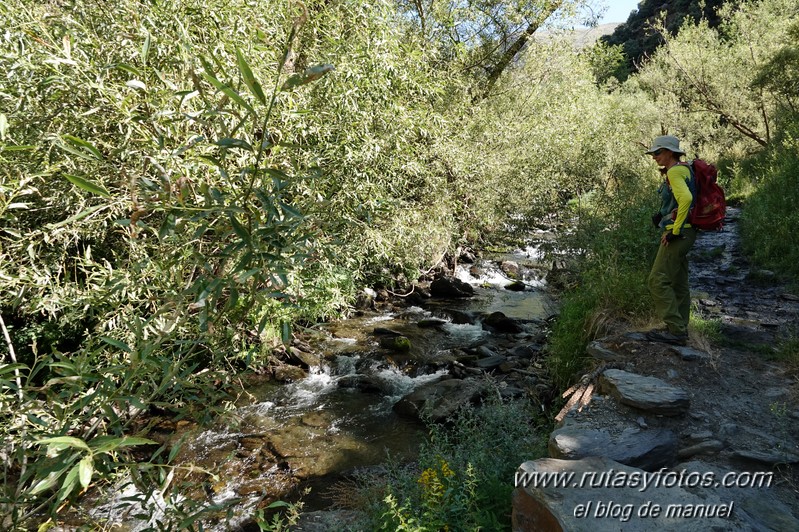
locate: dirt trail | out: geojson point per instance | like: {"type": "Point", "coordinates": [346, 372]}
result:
{"type": "Point", "coordinates": [741, 396]}
{"type": "Point", "coordinates": [722, 406]}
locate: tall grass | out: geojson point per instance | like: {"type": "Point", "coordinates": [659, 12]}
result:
{"type": "Point", "coordinates": [617, 243]}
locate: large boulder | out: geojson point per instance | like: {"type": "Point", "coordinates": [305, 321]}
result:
{"type": "Point", "coordinates": [400, 344]}
{"type": "Point", "coordinates": [450, 287]}
{"type": "Point", "coordinates": [499, 322]}
{"type": "Point", "coordinates": [440, 400]}
{"type": "Point", "coordinates": [510, 268]}
{"type": "Point", "coordinates": [516, 286]}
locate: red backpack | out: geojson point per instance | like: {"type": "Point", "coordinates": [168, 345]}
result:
{"type": "Point", "coordinates": [709, 207]}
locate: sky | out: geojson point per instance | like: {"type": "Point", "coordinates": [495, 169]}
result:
{"type": "Point", "coordinates": [618, 10]}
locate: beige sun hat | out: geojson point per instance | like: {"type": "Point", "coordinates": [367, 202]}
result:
{"type": "Point", "coordinates": [666, 142]}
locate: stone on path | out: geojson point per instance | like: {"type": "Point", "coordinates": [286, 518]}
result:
{"type": "Point", "coordinates": [645, 393]}
{"type": "Point", "coordinates": [637, 336]}
{"type": "Point", "coordinates": [598, 350]}
{"type": "Point", "coordinates": [755, 505]}
{"type": "Point", "coordinates": [688, 354]}
{"type": "Point", "coordinates": [630, 445]}
{"type": "Point", "coordinates": [769, 457]}
{"type": "Point", "coordinates": [704, 447]}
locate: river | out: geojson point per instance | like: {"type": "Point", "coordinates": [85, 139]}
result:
{"type": "Point", "coordinates": [282, 438]}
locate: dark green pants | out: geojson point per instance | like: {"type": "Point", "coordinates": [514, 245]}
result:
{"type": "Point", "coordinates": [668, 282]}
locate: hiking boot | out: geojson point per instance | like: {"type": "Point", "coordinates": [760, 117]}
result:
{"type": "Point", "coordinates": [667, 337]}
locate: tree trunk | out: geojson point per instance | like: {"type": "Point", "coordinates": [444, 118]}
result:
{"type": "Point", "coordinates": [513, 50]}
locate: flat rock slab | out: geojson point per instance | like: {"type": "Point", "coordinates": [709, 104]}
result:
{"type": "Point", "coordinates": [644, 393]}
{"type": "Point", "coordinates": [756, 505]}
{"type": "Point", "coordinates": [600, 351]}
{"type": "Point", "coordinates": [612, 498]}
{"type": "Point", "coordinates": [648, 449]}
{"type": "Point", "coordinates": [688, 354]}
{"type": "Point", "coordinates": [770, 457]}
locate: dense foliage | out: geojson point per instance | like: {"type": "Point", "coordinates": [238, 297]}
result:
{"type": "Point", "coordinates": [639, 39]}
{"type": "Point", "coordinates": [184, 183]}
{"type": "Point", "coordinates": [728, 93]}
{"type": "Point", "coordinates": [771, 215]}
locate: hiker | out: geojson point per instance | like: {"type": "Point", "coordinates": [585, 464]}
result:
{"type": "Point", "coordinates": [668, 280]}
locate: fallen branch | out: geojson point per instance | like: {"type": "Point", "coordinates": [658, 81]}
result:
{"type": "Point", "coordinates": [582, 392]}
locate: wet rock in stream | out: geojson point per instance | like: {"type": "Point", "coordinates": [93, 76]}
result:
{"type": "Point", "coordinates": [499, 322]}
{"type": "Point", "coordinates": [428, 323]}
{"type": "Point", "coordinates": [401, 344]}
{"type": "Point", "coordinates": [516, 286]}
{"type": "Point", "coordinates": [439, 400]}
{"type": "Point", "coordinates": [450, 287]}
{"type": "Point", "coordinates": [288, 373]}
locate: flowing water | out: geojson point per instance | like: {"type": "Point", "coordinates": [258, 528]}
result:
{"type": "Point", "coordinates": [340, 416]}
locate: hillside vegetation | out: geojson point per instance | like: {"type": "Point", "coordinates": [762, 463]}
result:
{"type": "Point", "coordinates": [639, 36]}
{"type": "Point", "coordinates": [185, 184]}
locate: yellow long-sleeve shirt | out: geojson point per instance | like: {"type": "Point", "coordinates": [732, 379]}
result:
{"type": "Point", "coordinates": [678, 176]}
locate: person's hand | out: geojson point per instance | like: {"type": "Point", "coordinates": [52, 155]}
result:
{"type": "Point", "coordinates": [669, 237]}
{"type": "Point", "coordinates": [656, 219]}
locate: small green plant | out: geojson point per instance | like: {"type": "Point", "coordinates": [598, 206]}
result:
{"type": "Point", "coordinates": [284, 516]}
{"type": "Point", "coordinates": [780, 410]}
{"type": "Point", "coordinates": [708, 328]}
{"type": "Point", "coordinates": [463, 477]}
{"type": "Point", "coordinates": [787, 352]}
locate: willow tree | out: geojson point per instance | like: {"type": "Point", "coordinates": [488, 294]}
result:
{"type": "Point", "coordinates": [482, 37]}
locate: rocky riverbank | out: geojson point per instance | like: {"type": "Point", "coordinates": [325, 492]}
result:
{"type": "Point", "coordinates": [689, 438]}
